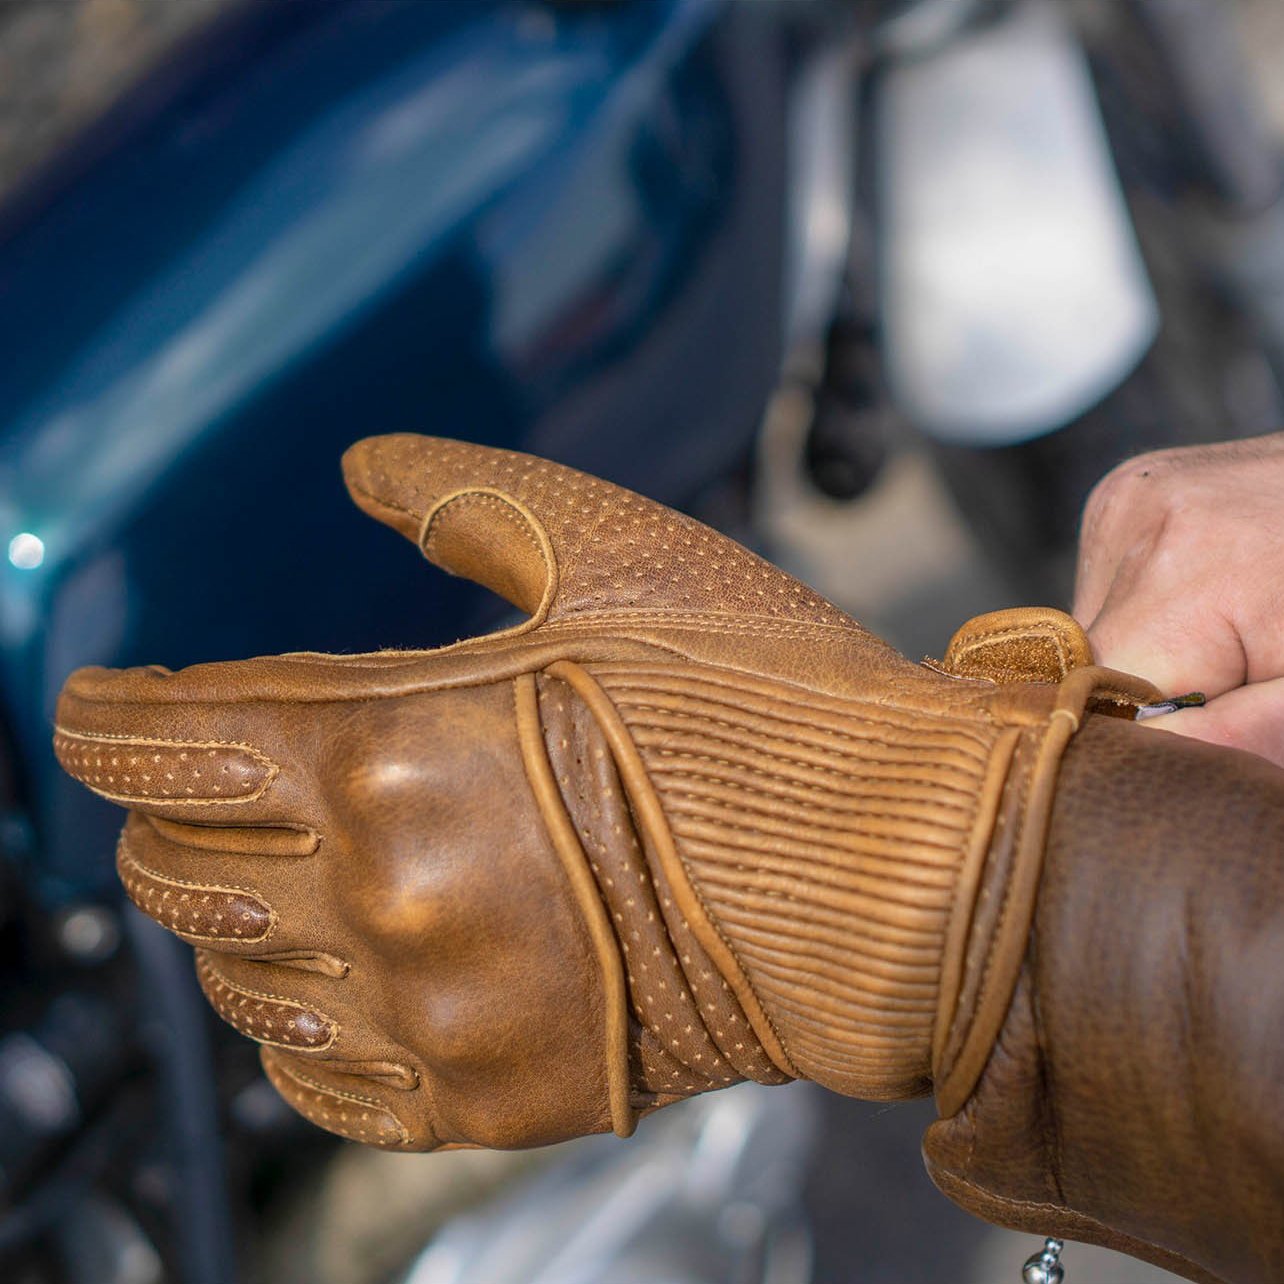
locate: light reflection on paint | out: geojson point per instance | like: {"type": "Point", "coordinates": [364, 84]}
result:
{"type": "Point", "coordinates": [26, 551]}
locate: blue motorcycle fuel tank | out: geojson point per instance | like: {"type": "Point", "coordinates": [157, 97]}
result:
{"type": "Point", "coordinates": [550, 227]}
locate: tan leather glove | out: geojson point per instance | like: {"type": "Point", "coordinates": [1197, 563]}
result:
{"type": "Point", "coordinates": [688, 824]}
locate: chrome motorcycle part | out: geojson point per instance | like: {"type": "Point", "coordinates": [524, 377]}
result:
{"type": "Point", "coordinates": [918, 28]}
{"type": "Point", "coordinates": [821, 131]}
{"type": "Point", "coordinates": [710, 1192]}
{"type": "Point", "coordinates": [1014, 294]}
{"type": "Point", "coordinates": [87, 934]}
{"type": "Point", "coordinates": [1045, 1266]}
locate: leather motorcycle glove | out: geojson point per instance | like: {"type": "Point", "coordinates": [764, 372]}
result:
{"type": "Point", "coordinates": [687, 824]}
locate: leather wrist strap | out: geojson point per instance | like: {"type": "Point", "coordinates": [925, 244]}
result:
{"type": "Point", "coordinates": [994, 905]}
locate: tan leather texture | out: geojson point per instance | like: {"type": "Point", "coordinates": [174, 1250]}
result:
{"type": "Point", "coordinates": [687, 824]}
{"type": "Point", "coordinates": [1027, 644]}
{"type": "Point", "coordinates": [1132, 1098]}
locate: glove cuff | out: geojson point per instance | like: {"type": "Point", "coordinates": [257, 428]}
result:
{"type": "Point", "coordinates": [857, 874]}
{"type": "Point", "coordinates": [1026, 652]}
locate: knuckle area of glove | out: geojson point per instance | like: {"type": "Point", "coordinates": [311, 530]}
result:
{"type": "Point", "coordinates": [506, 1020]}
{"type": "Point", "coordinates": [472, 952]}
{"type": "Point", "coordinates": [443, 850]}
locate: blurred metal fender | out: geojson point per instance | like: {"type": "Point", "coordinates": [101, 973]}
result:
{"type": "Point", "coordinates": [709, 1192]}
{"type": "Point", "coordinates": [1014, 293]}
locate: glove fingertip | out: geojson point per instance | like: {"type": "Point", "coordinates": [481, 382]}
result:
{"type": "Point", "coordinates": [370, 474]}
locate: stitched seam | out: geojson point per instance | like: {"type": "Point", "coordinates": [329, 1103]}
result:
{"type": "Point", "coordinates": [128, 851]}
{"type": "Point", "coordinates": [162, 740]}
{"type": "Point", "coordinates": [257, 994]}
{"type": "Point", "coordinates": [342, 1093]}
{"type": "Point", "coordinates": [730, 625]}
{"type": "Point", "coordinates": [975, 641]}
{"type": "Point", "coordinates": [219, 979]}
{"type": "Point", "coordinates": [659, 615]}
{"type": "Point", "coordinates": [151, 800]}
{"type": "Point", "coordinates": [127, 857]}
{"type": "Point", "coordinates": [272, 769]}
{"type": "Point", "coordinates": [487, 500]}
{"type": "Point", "coordinates": [355, 1097]}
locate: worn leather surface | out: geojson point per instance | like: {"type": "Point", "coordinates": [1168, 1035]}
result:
{"type": "Point", "coordinates": [1133, 1098]}
{"type": "Point", "coordinates": [687, 824]}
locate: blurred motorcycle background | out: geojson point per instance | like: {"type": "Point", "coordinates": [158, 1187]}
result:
{"type": "Point", "coordinates": [881, 287]}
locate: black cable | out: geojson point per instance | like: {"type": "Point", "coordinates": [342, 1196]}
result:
{"type": "Point", "coordinates": [174, 1029]}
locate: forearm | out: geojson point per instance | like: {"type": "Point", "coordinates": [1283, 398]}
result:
{"type": "Point", "coordinates": [1132, 1098]}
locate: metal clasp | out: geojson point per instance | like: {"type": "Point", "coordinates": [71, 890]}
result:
{"type": "Point", "coordinates": [1045, 1267]}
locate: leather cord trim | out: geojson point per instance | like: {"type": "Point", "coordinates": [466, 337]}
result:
{"type": "Point", "coordinates": [650, 814]}
{"type": "Point", "coordinates": [566, 843]}
{"type": "Point", "coordinates": [966, 890]}
{"type": "Point", "coordinates": [956, 1081]}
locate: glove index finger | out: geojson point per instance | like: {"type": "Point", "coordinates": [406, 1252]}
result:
{"type": "Point", "coordinates": [120, 736]}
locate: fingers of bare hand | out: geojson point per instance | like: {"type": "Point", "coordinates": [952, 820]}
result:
{"type": "Point", "coordinates": [1179, 573]}
{"type": "Point", "coordinates": [1155, 630]}
{"type": "Point", "coordinates": [1249, 718]}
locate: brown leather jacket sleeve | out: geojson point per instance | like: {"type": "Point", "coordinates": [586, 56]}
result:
{"type": "Point", "coordinates": [1133, 1096]}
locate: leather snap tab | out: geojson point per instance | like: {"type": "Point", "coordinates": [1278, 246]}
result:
{"type": "Point", "coordinates": [1024, 644]}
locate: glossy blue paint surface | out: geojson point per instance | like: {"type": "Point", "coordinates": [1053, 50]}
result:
{"type": "Point", "coordinates": [550, 228]}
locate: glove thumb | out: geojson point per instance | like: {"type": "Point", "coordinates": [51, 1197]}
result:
{"type": "Point", "coordinates": [554, 541]}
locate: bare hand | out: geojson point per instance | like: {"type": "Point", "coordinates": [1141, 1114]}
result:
{"type": "Point", "coordinates": [1181, 580]}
